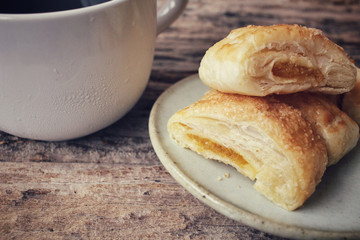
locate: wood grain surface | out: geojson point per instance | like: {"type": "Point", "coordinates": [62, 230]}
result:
{"type": "Point", "coordinates": [111, 185]}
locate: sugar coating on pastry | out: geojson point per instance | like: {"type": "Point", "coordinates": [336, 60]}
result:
{"type": "Point", "coordinates": [339, 132]}
{"type": "Point", "coordinates": [263, 138]}
{"type": "Point", "coordinates": [280, 59]}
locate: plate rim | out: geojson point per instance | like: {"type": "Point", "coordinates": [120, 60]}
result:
{"type": "Point", "coordinates": [221, 206]}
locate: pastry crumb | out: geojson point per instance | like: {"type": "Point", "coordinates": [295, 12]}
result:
{"type": "Point", "coordinates": [219, 179]}
{"type": "Point", "coordinates": [227, 175]}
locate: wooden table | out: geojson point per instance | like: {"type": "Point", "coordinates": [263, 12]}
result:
{"type": "Point", "coordinates": [111, 185]}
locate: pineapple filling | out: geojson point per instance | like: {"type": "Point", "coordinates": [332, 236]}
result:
{"type": "Point", "coordinates": [206, 145]}
{"type": "Point", "coordinates": [291, 70]}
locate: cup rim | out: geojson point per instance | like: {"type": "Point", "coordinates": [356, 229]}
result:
{"type": "Point", "coordinates": [59, 14]}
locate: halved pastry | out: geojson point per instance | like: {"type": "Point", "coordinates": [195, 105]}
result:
{"type": "Point", "coordinates": [281, 59]}
{"type": "Point", "coordinates": [263, 138]}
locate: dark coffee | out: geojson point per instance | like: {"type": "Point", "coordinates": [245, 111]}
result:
{"type": "Point", "coordinates": [41, 6]}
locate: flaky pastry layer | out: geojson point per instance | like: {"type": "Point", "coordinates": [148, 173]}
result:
{"type": "Point", "coordinates": [281, 59]}
{"type": "Point", "coordinates": [339, 132]}
{"type": "Point", "coordinates": [263, 138]}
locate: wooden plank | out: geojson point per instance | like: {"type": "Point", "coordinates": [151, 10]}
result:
{"type": "Point", "coordinates": [104, 201]}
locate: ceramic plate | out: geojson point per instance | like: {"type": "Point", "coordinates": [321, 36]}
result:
{"type": "Point", "coordinates": [333, 211]}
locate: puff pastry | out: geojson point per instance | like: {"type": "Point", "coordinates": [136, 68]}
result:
{"type": "Point", "coordinates": [339, 132]}
{"type": "Point", "coordinates": [263, 138]}
{"type": "Point", "coordinates": [351, 101]}
{"type": "Point", "coordinates": [281, 59]}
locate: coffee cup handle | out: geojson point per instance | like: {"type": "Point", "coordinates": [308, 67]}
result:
{"type": "Point", "coordinates": [168, 13]}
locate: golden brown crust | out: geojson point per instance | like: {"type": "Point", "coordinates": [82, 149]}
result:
{"type": "Point", "coordinates": [261, 60]}
{"type": "Point", "coordinates": [270, 141]}
{"type": "Point", "coordinates": [339, 132]}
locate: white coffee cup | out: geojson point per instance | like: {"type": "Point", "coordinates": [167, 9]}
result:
{"type": "Point", "coordinates": [68, 74]}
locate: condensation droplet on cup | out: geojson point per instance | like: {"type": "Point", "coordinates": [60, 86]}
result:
{"type": "Point", "coordinates": [126, 80]}
{"type": "Point", "coordinates": [92, 19]}
{"type": "Point", "coordinates": [55, 70]}
{"type": "Point", "coordinates": [133, 23]}
{"type": "Point", "coordinates": [102, 79]}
